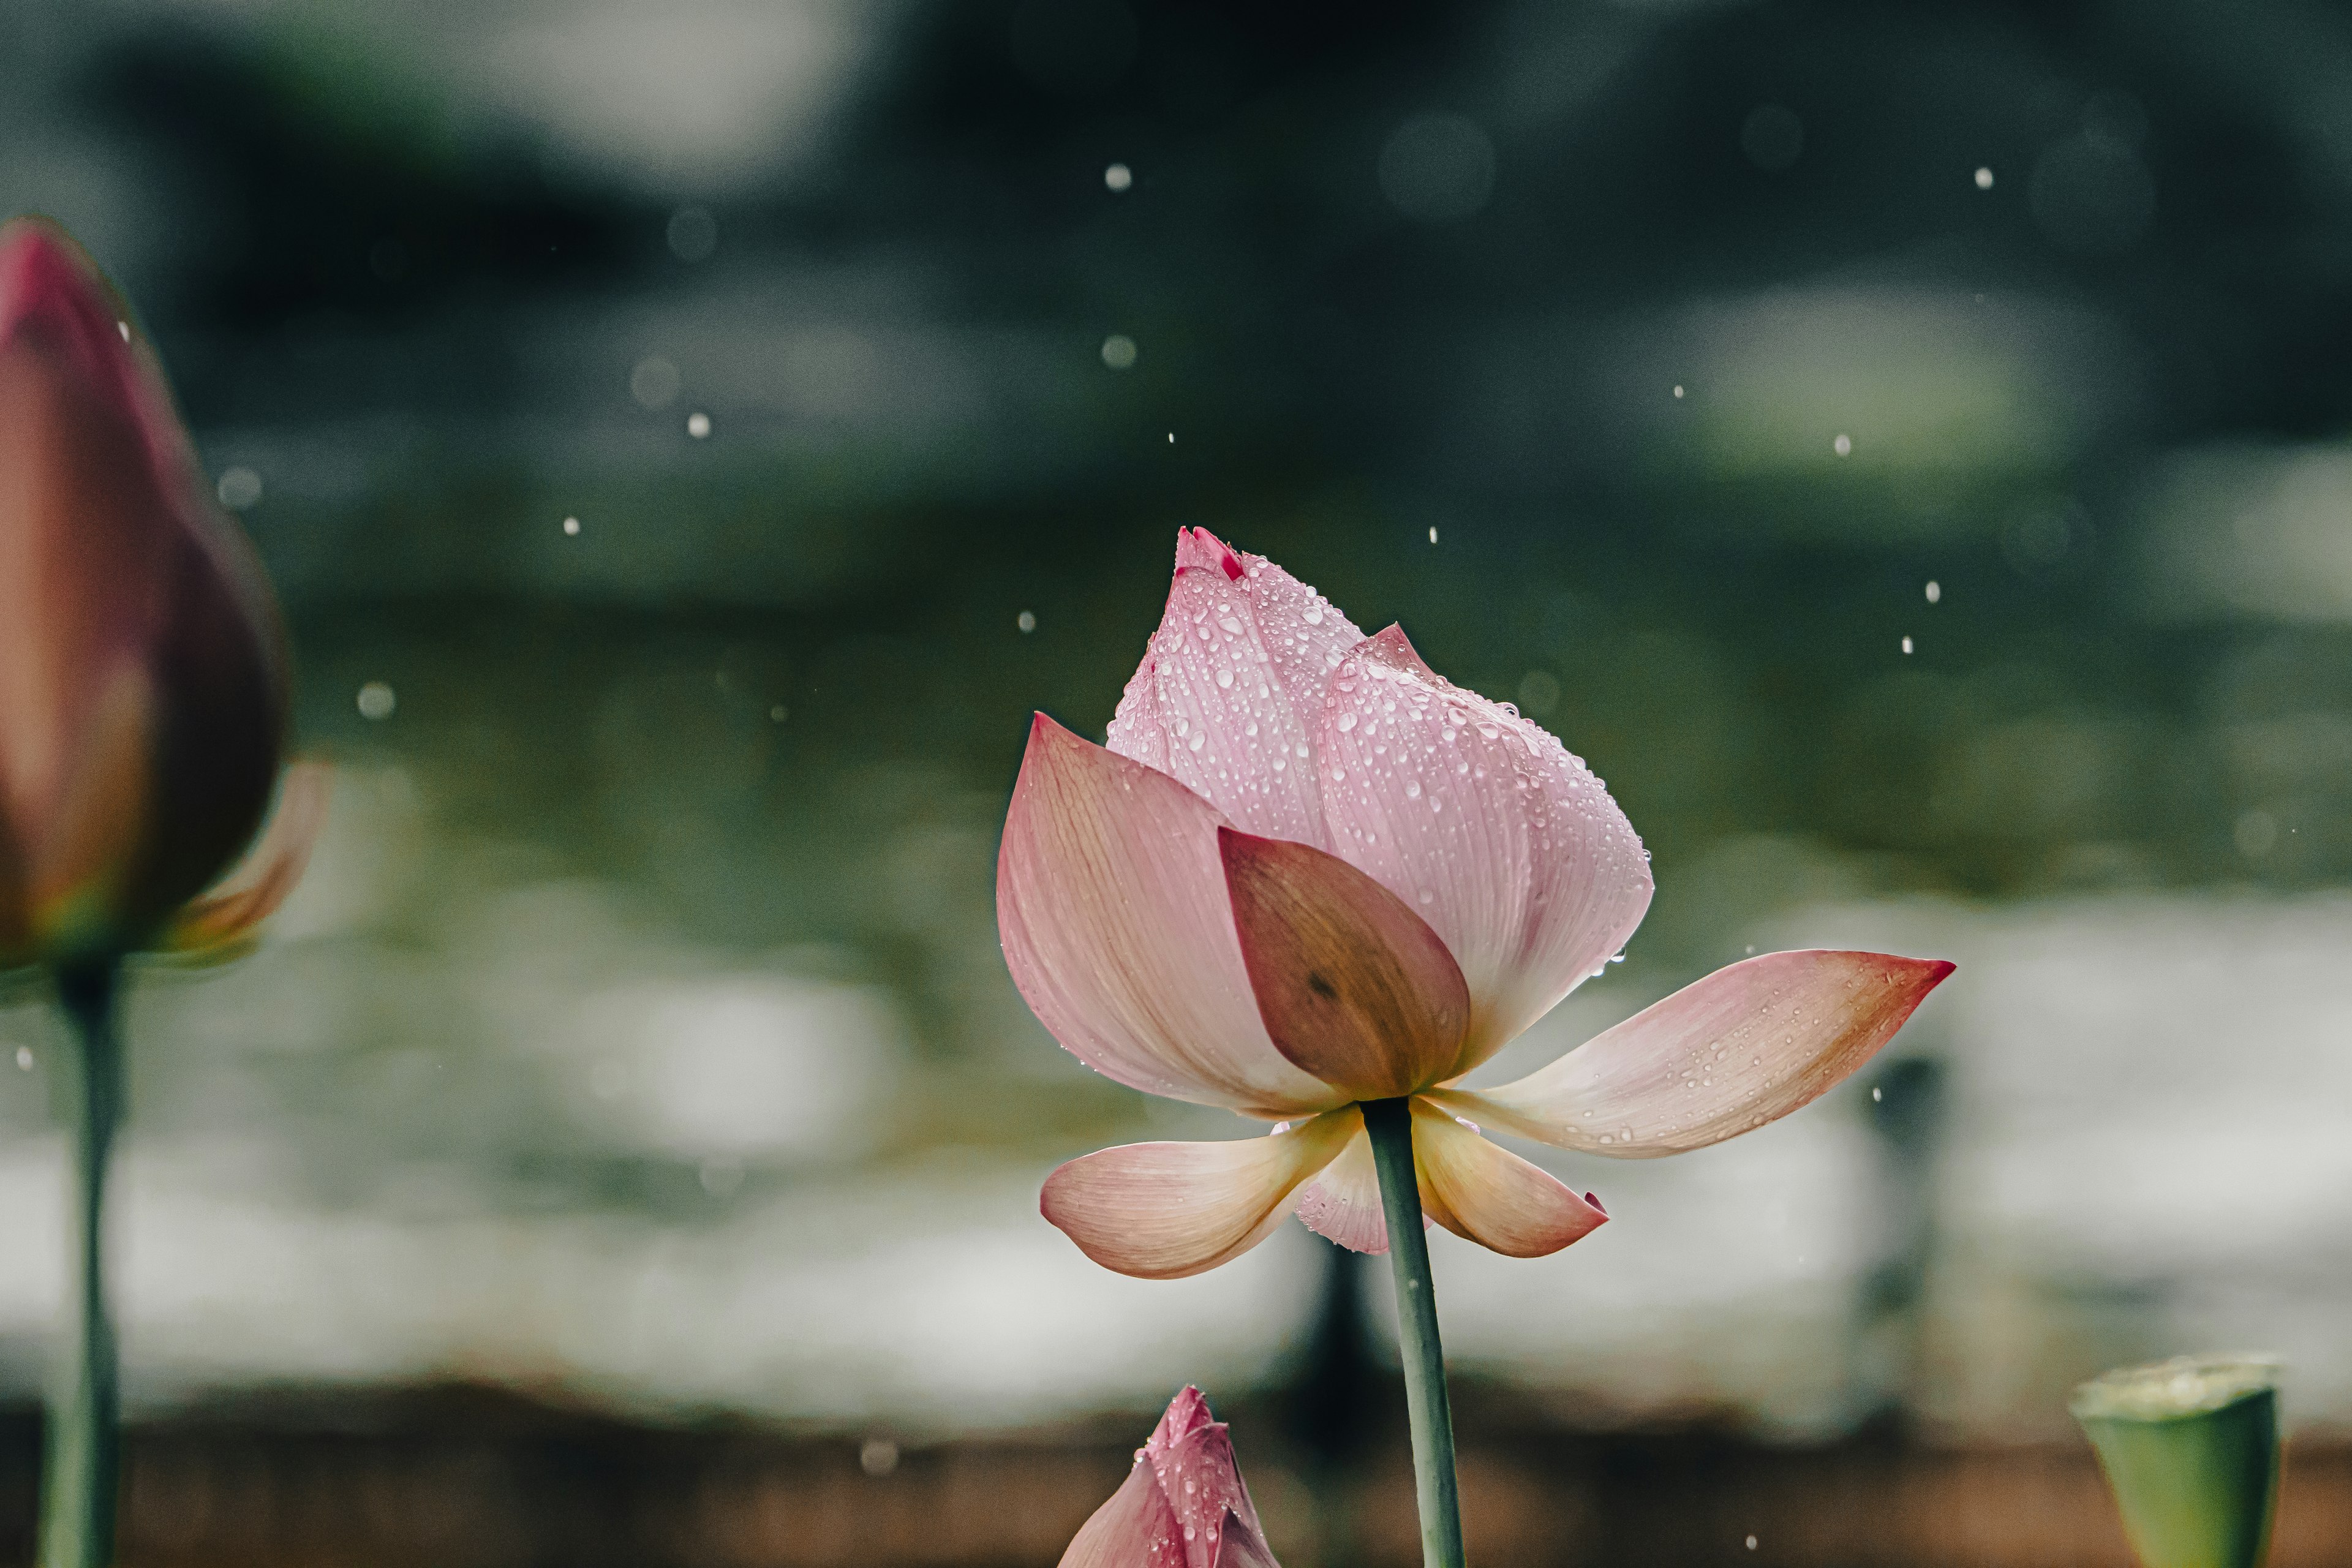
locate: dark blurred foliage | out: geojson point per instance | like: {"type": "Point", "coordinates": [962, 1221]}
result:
{"type": "Point", "coordinates": [1341, 378]}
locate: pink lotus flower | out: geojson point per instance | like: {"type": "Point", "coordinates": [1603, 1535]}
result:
{"type": "Point", "coordinates": [1308, 873]}
{"type": "Point", "coordinates": [143, 674]}
{"type": "Point", "coordinates": [1184, 1505]}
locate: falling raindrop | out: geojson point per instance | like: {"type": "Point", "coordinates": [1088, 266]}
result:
{"type": "Point", "coordinates": [1984, 179]}
{"type": "Point", "coordinates": [1026, 620]}
{"type": "Point", "coordinates": [1843, 445]}
{"type": "Point", "coordinates": [24, 1058]}
{"type": "Point", "coordinates": [1119, 177]}
{"type": "Point", "coordinates": [1678, 391]}
{"type": "Point", "coordinates": [1118, 351]}
{"type": "Point", "coordinates": [697, 424]}
{"type": "Point", "coordinates": [239, 489]}
{"type": "Point", "coordinates": [1432, 536]}
{"type": "Point", "coordinates": [1935, 592]}
{"type": "Point", "coordinates": [571, 526]}
{"type": "Point", "coordinates": [1906, 645]}
{"type": "Point", "coordinates": [377, 701]}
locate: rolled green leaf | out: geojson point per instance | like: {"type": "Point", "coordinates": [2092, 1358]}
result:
{"type": "Point", "coordinates": [2191, 1448]}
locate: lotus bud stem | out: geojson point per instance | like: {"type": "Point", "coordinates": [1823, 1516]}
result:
{"type": "Point", "coordinates": [78, 1481]}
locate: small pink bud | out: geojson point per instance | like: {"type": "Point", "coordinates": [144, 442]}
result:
{"type": "Point", "coordinates": [1184, 1505]}
{"type": "Point", "coordinates": [143, 676]}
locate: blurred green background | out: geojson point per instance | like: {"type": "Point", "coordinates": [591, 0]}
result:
{"type": "Point", "coordinates": [1902, 451]}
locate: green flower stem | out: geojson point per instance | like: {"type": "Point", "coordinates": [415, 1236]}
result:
{"type": "Point", "coordinates": [1389, 1122]}
{"type": "Point", "coordinates": [78, 1480]}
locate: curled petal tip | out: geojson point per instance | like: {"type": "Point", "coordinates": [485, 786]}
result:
{"type": "Point", "coordinates": [1595, 1199]}
{"type": "Point", "coordinates": [224, 919]}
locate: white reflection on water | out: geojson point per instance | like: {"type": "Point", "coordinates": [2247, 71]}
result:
{"type": "Point", "coordinates": [459, 1118]}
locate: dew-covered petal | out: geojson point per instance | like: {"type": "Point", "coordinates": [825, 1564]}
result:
{"type": "Point", "coordinates": [1478, 818]}
{"type": "Point", "coordinates": [1229, 696]}
{"type": "Point", "coordinates": [1161, 1211]}
{"type": "Point", "coordinates": [1186, 1413]}
{"type": "Point", "coordinates": [1724, 1055]}
{"type": "Point", "coordinates": [1204, 1485]}
{"type": "Point", "coordinates": [1343, 1201]}
{"type": "Point", "coordinates": [222, 920]}
{"type": "Point", "coordinates": [1490, 1196]}
{"type": "Point", "coordinates": [1354, 987]}
{"type": "Point", "coordinates": [1111, 904]}
{"type": "Point", "coordinates": [1136, 1528]}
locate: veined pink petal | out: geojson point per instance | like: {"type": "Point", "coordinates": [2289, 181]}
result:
{"type": "Point", "coordinates": [221, 921]}
{"type": "Point", "coordinates": [1747, 1044]}
{"type": "Point", "coordinates": [1161, 1211]}
{"type": "Point", "coordinates": [1507, 845]}
{"type": "Point", "coordinates": [1490, 1196]}
{"type": "Point", "coordinates": [1136, 1529]}
{"type": "Point", "coordinates": [1111, 904]}
{"type": "Point", "coordinates": [1343, 1201]}
{"type": "Point", "coordinates": [1186, 1413]}
{"type": "Point", "coordinates": [1353, 986]}
{"type": "Point", "coordinates": [1204, 1485]}
{"type": "Point", "coordinates": [1229, 696]}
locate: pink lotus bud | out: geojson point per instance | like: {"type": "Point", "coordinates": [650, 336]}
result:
{"type": "Point", "coordinates": [143, 675]}
{"type": "Point", "coordinates": [1184, 1505]}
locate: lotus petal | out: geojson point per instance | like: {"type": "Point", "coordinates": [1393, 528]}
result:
{"type": "Point", "coordinates": [1478, 818]}
{"type": "Point", "coordinates": [1229, 697]}
{"type": "Point", "coordinates": [1353, 986]}
{"type": "Point", "coordinates": [1747, 1044]}
{"type": "Point", "coordinates": [1162, 1211]}
{"type": "Point", "coordinates": [1489, 1195]}
{"type": "Point", "coordinates": [1136, 1528]}
{"type": "Point", "coordinates": [1111, 904]}
{"type": "Point", "coordinates": [1343, 1201]}
{"type": "Point", "coordinates": [1204, 1485]}
{"type": "Point", "coordinates": [225, 919]}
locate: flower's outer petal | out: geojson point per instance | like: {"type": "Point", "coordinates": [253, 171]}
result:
{"type": "Point", "coordinates": [1489, 1195]}
{"type": "Point", "coordinates": [1353, 986]}
{"type": "Point", "coordinates": [1161, 1211]}
{"type": "Point", "coordinates": [1186, 1413]}
{"type": "Point", "coordinates": [1343, 1201]}
{"type": "Point", "coordinates": [221, 921]}
{"type": "Point", "coordinates": [1204, 1484]}
{"type": "Point", "coordinates": [1229, 697]}
{"type": "Point", "coordinates": [1136, 1529]}
{"type": "Point", "coordinates": [1507, 846]}
{"type": "Point", "coordinates": [1747, 1044]}
{"type": "Point", "coordinates": [1246, 1548]}
{"type": "Point", "coordinates": [1111, 903]}
{"type": "Point", "coordinates": [75, 890]}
